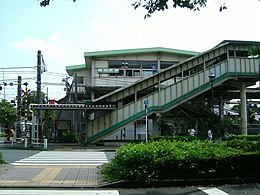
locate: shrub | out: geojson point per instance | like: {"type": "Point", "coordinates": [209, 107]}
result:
{"type": "Point", "coordinates": [2, 161]}
{"type": "Point", "coordinates": [244, 144]}
{"type": "Point", "coordinates": [248, 137]}
{"type": "Point", "coordinates": [169, 160]}
{"type": "Point", "coordinates": [186, 138]}
{"type": "Point", "coordinates": [70, 137]}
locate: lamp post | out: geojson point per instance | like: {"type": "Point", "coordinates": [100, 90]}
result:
{"type": "Point", "coordinates": [146, 120]}
{"type": "Point", "coordinates": [212, 79]}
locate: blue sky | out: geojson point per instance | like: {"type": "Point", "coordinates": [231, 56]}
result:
{"type": "Point", "coordinates": [64, 30]}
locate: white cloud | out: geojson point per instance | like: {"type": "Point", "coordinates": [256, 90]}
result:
{"type": "Point", "coordinates": [54, 49]}
{"type": "Point", "coordinates": [100, 27]}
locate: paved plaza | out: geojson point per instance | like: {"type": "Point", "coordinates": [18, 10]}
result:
{"type": "Point", "coordinates": [55, 169]}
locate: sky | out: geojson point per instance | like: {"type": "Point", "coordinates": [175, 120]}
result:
{"type": "Point", "coordinates": [64, 30]}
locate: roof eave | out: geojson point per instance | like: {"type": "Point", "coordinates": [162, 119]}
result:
{"type": "Point", "coordinates": [138, 51]}
{"type": "Point", "coordinates": [71, 69]}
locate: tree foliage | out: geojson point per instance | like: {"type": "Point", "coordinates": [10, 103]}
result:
{"type": "Point", "coordinates": [33, 97]}
{"type": "Point", "coordinates": [44, 3]}
{"type": "Point", "coordinates": [7, 114]}
{"type": "Point", "coordinates": [255, 51]}
{"type": "Point", "coordinates": [160, 5]}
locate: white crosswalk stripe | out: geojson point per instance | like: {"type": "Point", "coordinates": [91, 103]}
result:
{"type": "Point", "coordinates": [64, 158]}
{"type": "Point", "coordinates": [213, 191]}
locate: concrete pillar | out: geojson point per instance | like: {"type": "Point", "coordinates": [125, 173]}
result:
{"type": "Point", "coordinates": [221, 107]}
{"type": "Point", "coordinates": [92, 95]}
{"type": "Point", "coordinates": [243, 122]}
{"type": "Point", "coordinates": [93, 66]}
{"type": "Point", "coordinates": [45, 144]}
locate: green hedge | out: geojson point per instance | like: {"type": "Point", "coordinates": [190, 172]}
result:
{"type": "Point", "coordinates": [247, 137]}
{"type": "Point", "coordinates": [174, 160]}
{"type": "Point", "coordinates": [186, 138]}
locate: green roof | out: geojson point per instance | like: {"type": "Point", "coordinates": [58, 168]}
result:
{"type": "Point", "coordinates": [71, 69]}
{"type": "Point", "coordinates": [127, 52]}
{"type": "Point", "coordinates": [140, 50]}
{"type": "Point", "coordinates": [240, 42]}
{"type": "Point", "coordinates": [76, 67]}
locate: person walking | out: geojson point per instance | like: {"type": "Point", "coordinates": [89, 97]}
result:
{"type": "Point", "coordinates": [210, 135]}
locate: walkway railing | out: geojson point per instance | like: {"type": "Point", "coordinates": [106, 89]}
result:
{"type": "Point", "coordinates": [171, 96]}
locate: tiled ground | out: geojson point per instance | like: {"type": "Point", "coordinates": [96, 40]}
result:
{"type": "Point", "coordinates": [50, 176]}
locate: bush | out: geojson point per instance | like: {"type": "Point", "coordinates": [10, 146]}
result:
{"type": "Point", "coordinates": [244, 144]}
{"type": "Point", "coordinates": [186, 138]}
{"type": "Point", "coordinates": [70, 137]}
{"type": "Point", "coordinates": [170, 160]}
{"type": "Point", "coordinates": [248, 137]}
{"type": "Point", "coordinates": [2, 161]}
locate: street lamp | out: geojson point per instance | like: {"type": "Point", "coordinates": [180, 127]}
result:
{"type": "Point", "coordinates": [212, 79]}
{"type": "Point", "coordinates": [146, 120]}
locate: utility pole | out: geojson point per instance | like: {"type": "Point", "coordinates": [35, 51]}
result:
{"type": "Point", "coordinates": [19, 97]}
{"type": "Point", "coordinates": [76, 89]}
{"type": "Point", "coordinates": [39, 98]}
{"type": "Point", "coordinates": [75, 118]}
{"type": "Point", "coordinates": [25, 109]}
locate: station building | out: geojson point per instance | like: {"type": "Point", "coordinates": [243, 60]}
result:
{"type": "Point", "coordinates": [166, 78]}
{"type": "Point", "coordinates": [106, 71]}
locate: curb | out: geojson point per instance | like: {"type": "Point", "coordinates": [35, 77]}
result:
{"type": "Point", "coordinates": [179, 182]}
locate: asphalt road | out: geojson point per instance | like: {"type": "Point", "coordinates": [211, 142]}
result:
{"type": "Point", "coordinates": [11, 155]}
{"type": "Point", "coordinates": [249, 189]}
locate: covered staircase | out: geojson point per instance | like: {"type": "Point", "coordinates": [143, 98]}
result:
{"type": "Point", "coordinates": [228, 61]}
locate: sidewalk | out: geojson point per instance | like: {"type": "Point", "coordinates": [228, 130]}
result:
{"type": "Point", "coordinates": [50, 176]}
{"type": "Point", "coordinates": [76, 176]}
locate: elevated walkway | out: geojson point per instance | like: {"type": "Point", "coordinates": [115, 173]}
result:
{"type": "Point", "coordinates": [173, 86]}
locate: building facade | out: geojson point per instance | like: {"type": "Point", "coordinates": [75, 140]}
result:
{"type": "Point", "coordinates": [106, 71]}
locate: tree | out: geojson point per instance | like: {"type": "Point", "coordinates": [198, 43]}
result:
{"type": "Point", "coordinates": [33, 97]}
{"type": "Point", "coordinates": [7, 114]}
{"type": "Point", "coordinates": [44, 3]}
{"type": "Point", "coordinates": [160, 5]}
{"type": "Point", "coordinates": [254, 51]}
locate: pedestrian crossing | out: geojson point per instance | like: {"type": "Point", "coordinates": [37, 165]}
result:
{"type": "Point", "coordinates": [64, 158]}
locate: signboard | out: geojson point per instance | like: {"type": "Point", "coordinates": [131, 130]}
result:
{"type": "Point", "coordinates": [107, 70]}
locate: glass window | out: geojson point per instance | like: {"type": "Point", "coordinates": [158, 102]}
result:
{"type": "Point", "coordinates": [121, 73]}
{"type": "Point", "coordinates": [80, 80]}
{"type": "Point", "coordinates": [149, 64]}
{"type": "Point", "coordinates": [129, 73]}
{"type": "Point", "coordinates": [147, 73]}
{"type": "Point", "coordinates": [115, 64]}
{"type": "Point", "coordinates": [136, 73]}
{"type": "Point", "coordinates": [134, 64]}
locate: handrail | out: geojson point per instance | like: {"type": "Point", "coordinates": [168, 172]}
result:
{"type": "Point", "coordinates": [164, 99]}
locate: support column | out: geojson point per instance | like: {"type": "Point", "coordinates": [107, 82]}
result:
{"type": "Point", "coordinates": [243, 122]}
{"type": "Point", "coordinates": [221, 107]}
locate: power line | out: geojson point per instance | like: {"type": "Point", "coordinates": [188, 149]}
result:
{"type": "Point", "coordinates": [18, 67]}
{"type": "Point", "coordinates": [56, 74]}
{"type": "Point", "coordinates": [15, 72]}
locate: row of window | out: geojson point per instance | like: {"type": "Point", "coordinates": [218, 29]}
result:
{"type": "Point", "coordinates": [128, 73]}
{"type": "Point", "coordinates": [133, 64]}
